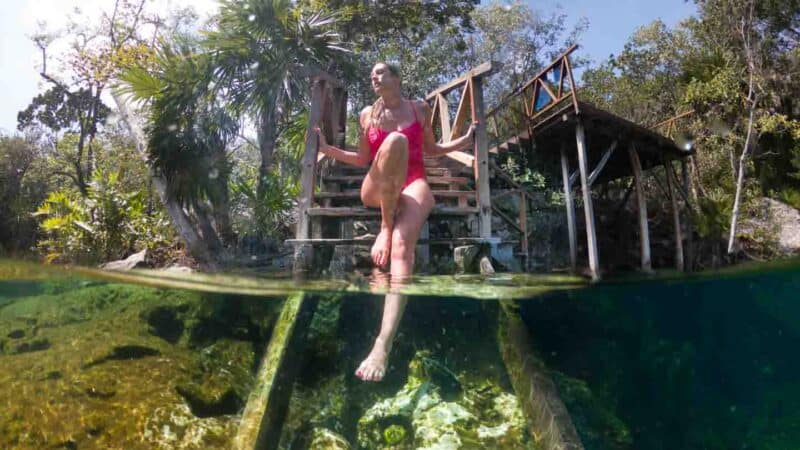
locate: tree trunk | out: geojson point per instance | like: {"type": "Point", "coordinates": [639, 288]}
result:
{"type": "Point", "coordinates": [266, 143]}
{"type": "Point", "coordinates": [740, 178]}
{"type": "Point", "coordinates": [197, 246]}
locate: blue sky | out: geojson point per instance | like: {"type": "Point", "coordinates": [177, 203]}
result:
{"type": "Point", "coordinates": [611, 22]}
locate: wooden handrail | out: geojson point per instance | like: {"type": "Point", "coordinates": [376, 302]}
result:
{"type": "Point", "coordinates": [530, 82]}
{"type": "Point", "coordinates": [482, 70]}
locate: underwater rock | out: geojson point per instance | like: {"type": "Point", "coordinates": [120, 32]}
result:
{"type": "Point", "coordinates": [35, 345]}
{"type": "Point", "coordinates": [16, 334]}
{"type": "Point", "coordinates": [325, 439]}
{"type": "Point", "coordinates": [221, 380]}
{"type": "Point", "coordinates": [123, 352]}
{"type": "Point", "coordinates": [164, 322]}
{"type": "Point", "coordinates": [419, 417]}
{"type": "Point", "coordinates": [131, 262]}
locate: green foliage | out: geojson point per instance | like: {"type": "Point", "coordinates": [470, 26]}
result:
{"type": "Point", "coordinates": [188, 128]}
{"type": "Point", "coordinates": [106, 224]}
{"type": "Point", "coordinates": [263, 209]}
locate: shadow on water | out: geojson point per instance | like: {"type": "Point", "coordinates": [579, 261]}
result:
{"type": "Point", "coordinates": [149, 359]}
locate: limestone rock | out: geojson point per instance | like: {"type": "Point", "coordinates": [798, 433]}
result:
{"type": "Point", "coordinates": [325, 439]}
{"type": "Point", "coordinates": [419, 417]}
{"type": "Point", "coordinates": [131, 262]}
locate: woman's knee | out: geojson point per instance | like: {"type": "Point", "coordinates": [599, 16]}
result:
{"type": "Point", "coordinates": [396, 144]}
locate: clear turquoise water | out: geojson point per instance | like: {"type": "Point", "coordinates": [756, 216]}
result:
{"type": "Point", "coordinates": [97, 360]}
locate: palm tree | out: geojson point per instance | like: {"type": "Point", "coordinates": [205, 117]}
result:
{"type": "Point", "coordinates": [187, 134]}
{"type": "Point", "coordinates": [264, 52]}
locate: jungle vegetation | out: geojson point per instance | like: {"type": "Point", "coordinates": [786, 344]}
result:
{"type": "Point", "coordinates": [182, 134]}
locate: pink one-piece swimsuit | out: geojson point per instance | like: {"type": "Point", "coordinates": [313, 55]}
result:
{"type": "Point", "coordinates": [414, 134]}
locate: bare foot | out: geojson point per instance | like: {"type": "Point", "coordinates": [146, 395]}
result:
{"type": "Point", "coordinates": [382, 247]}
{"type": "Point", "coordinates": [373, 368]}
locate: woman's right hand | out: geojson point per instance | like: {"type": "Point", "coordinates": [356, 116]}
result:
{"type": "Point", "coordinates": [323, 143]}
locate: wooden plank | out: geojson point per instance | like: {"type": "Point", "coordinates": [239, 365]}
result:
{"type": "Point", "coordinates": [309, 165]}
{"type": "Point", "coordinates": [444, 117]}
{"type": "Point", "coordinates": [264, 414]}
{"type": "Point", "coordinates": [573, 88]}
{"type": "Point", "coordinates": [464, 158]}
{"type": "Point", "coordinates": [355, 194]}
{"type": "Point", "coordinates": [482, 161]}
{"type": "Point", "coordinates": [547, 415]}
{"type": "Point", "coordinates": [591, 234]}
{"type": "Point", "coordinates": [368, 212]}
{"type": "Point", "coordinates": [369, 241]}
{"type": "Point", "coordinates": [676, 217]}
{"type": "Point", "coordinates": [641, 202]}
{"type": "Point", "coordinates": [570, 204]}
{"type": "Point", "coordinates": [423, 250]}
{"type": "Point", "coordinates": [479, 71]}
{"type": "Point", "coordinates": [523, 225]}
{"type": "Point", "coordinates": [508, 219]}
{"type": "Point", "coordinates": [602, 163]}
{"type": "Point", "coordinates": [689, 266]}
{"type": "Point", "coordinates": [431, 180]}
{"type": "Point", "coordinates": [461, 114]}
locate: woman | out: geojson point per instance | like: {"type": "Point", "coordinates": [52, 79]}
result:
{"type": "Point", "coordinates": [397, 132]}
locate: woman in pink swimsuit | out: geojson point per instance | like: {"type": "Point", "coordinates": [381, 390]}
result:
{"type": "Point", "coordinates": [397, 133]}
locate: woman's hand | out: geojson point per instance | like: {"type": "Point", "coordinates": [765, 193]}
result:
{"type": "Point", "coordinates": [323, 143]}
{"type": "Point", "coordinates": [469, 136]}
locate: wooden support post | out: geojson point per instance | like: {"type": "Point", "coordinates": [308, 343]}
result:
{"type": "Point", "coordinates": [530, 378]}
{"type": "Point", "coordinates": [264, 414]}
{"type": "Point", "coordinates": [444, 117]}
{"type": "Point", "coordinates": [591, 234]}
{"type": "Point", "coordinates": [423, 251]}
{"type": "Point", "coordinates": [523, 226]}
{"type": "Point", "coordinates": [676, 216]}
{"type": "Point", "coordinates": [641, 206]}
{"type": "Point", "coordinates": [304, 254]}
{"type": "Point", "coordinates": [573, 242]}
{"type": "Point", "coordinates": [309, 161]}
{"type": "Point", "coordinates": [689, 267]}
{"type": "Point", "coordinates": [481, 159]}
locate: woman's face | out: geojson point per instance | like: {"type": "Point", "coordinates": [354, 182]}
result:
{"type": "Point", "coordinates": [383, 79]}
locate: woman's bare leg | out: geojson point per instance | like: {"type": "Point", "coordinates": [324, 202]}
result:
{"type": "Point", "coordinates": [381, 189]}
{"type": "Point", "coordinates": [416, 202]}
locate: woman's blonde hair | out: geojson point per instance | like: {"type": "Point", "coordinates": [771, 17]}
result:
{"type": "Point", "coordinates": [378, 108]}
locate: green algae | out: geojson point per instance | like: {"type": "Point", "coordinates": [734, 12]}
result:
{"type": "Point", "coordinates": [83, 368]}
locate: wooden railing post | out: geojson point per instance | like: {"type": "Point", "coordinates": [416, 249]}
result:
{"type": "Point", "coordinates": [303, 253]}
{"type": "Point", "coordinates": [481, 159]}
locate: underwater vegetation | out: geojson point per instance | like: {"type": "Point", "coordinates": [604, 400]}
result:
{"type": "Point", "coordinates": [95, 365]}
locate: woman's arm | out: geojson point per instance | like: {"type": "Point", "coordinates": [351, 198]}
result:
{"type": "Point", "coordinates": [358, 158]}
{"type": "Point", "coordinates": [431, 147]}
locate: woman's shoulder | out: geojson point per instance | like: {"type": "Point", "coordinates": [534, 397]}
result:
{"type": "Point", "coordinates": [421, 107]}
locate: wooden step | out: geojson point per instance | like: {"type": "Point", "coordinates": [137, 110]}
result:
{"type": "Point", "coordinates": [346, 211]}
{"type": "Point", "coordinates": [354, 194]}
{"type": "Point", "coordinates": [370, 240]}
{"type": "Point", "coordinates": [431, 180]}
{"type": "Point", "coordinates": [353, 170]}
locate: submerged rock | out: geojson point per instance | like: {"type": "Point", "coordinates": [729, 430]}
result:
{"type": "Point", "coordinates": [418, 417]}
{"type": "Point", "coordinates": [325, 439]}
{"type": "Point", "coordinates": [222, 379]}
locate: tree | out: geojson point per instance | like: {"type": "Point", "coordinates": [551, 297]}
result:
{"type": "Point", "coordinates": [263, 54]}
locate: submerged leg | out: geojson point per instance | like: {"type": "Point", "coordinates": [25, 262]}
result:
{"type": "Point", "coordinates": [416, 203]}
{"type": "Point", "coordinates": [382, 187]}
